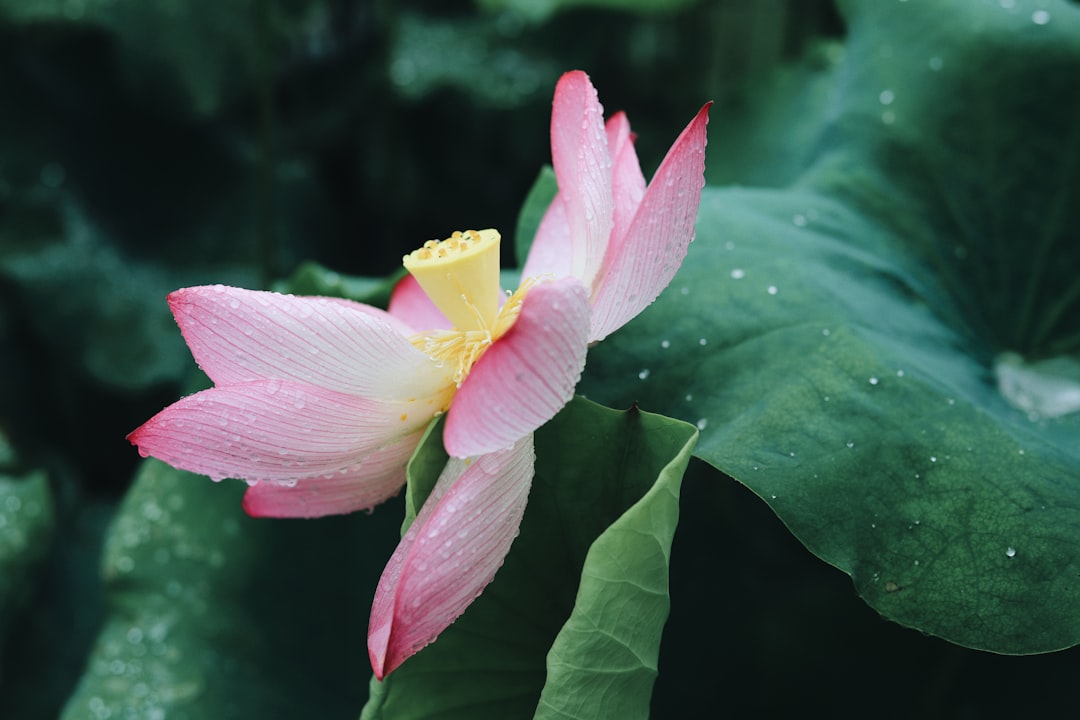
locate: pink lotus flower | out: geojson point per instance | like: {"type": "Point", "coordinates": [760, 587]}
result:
{"type": "Point", "coordinates": [319, 402]}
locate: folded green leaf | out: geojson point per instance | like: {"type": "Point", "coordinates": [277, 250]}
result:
{"type": "Point", "coordinates": [602, 511]}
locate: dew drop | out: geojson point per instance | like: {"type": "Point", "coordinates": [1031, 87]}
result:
{"type": "Point", "coordinates": [701, 423]}
{"type": "Point", "coordinates": [873, 381]}
{"type": "Point", "coordinates": [1010, 551]}
{"type": "Point", "coordinates": [825, 332]}
{"type": "Point", "coordinates": [665, 344]}
{"type": "Point", "coordinates": [799, 220]}
{"type": "Point", "coordinates": [644, 374]}
{"type": "Point", "coordinates": [850, 443]}
{"type": "Point", "coordinates": [738, 274]}
{"type": "Point", "coordinates": [886, 97]}
{"type": "Point", "coordinates": [772, 290]}
{"type": "Point", "coordinates": [690, 397]}
{"type": "Point", "coordinates": [702, 342]}
{"type": "Point", "coordinates": [1040, 17]}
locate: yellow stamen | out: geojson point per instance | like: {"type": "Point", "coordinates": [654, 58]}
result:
{"type": "Point", "coordinates": [460, 349]}
{"type": "Point", "coordinates": [461, 276]}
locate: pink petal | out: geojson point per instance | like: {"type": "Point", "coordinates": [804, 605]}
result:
{"type": "Point", "coordinates": [378, 477]}
{"type": "Point", "coordinates": [627, 182]}
{"type": "Point", "coordinates": [411, 304]}
{"type": "Point", "coordinates": [238, 335]}
{"type": "Point", "coordinates": [640, 264]}
{"type": "Point", "coordinates": [552, 249]}
{"type": "Point", "coordinates": [274, 430]}
{"type": "Point", "coordinates": [527, 376]}
{"type": "Point", "coordinates": [579, 153]}
{"type": "Point", "coordinates": [450, 553]}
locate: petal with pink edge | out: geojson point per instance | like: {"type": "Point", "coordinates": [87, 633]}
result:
{"type": "Point", "coordinates": [579, 153]}
{"type": "Point", "coordinates": [526, 376]}
{"type": "Point", "coordinates": [450, 553]}
{"type": "Point", "coordinates": [627, 182]}
{"type": "Point", "coordinates": [275, 430]}
{"type": "Point", "coordinates": [378, 477]}
{"type": "Point", "coordinates": [551, 252]}
{"type": "Point", "coordinates": [410, 304]}
{"type": "Point", "coordinates": [641, 264]}
{"type": "Point", "coordinates": [237, 335]}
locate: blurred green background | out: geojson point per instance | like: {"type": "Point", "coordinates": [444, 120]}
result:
{"type": "Point", "coordinates": [151, 144]}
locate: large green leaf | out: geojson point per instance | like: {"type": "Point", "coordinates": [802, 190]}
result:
{"type": "Point", "coordinates": [213, 614]}
{"type": "Point", "coordinates": [603, 508]}
{"type": "Point", "coordinates": [26, 527]}
{"type": "Point", "coordinates": [848, 346]}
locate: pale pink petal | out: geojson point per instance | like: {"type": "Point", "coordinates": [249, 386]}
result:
{"type": "Point", "coordinates": [640, 265]}
{"type": "Point", "coordinates": [237, 335]}
{"type": "Point", "coordinates": [551, 252]}
{"type": "Point", "coordinates": [274, 430]}
{"type": "Point", "coordinates": [378, 477]}
{"type": "Point", "coordinates": [450, 553]}
{"type": "Point", "coordinates": [411, 304]}
{"type": "Point", "coordinates": [527, 376]}
{"type": "Point", "coordinates": [627, 182]}
{"type": "Point", "coordinates": [579, 153]}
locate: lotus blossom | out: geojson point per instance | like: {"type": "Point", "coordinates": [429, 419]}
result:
{"type": "Point", "coordinates": [319, 402]}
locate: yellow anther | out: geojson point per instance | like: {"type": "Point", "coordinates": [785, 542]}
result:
{"type": "Point", "coordinates": [461, 276]}
{"type": "Point", "coordinates": [460, 349]}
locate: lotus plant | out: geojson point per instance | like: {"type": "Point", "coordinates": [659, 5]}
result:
{"type": "Point", "coordinates": [318, 403]}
